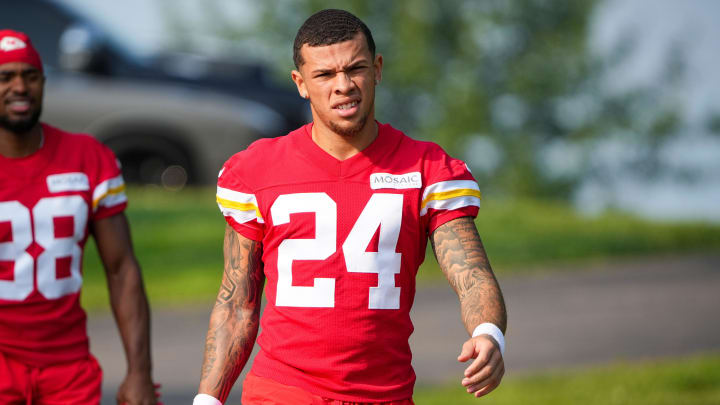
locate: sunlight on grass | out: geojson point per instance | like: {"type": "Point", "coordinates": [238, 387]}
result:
{"type": "Point", "coordinates": [690, 381]}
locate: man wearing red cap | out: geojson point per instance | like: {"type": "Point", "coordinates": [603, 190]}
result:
{"type": "Point", "coordinates": [56, 188]}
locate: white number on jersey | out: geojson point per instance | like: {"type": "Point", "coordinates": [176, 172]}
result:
{"type": "Point", "coordinates": [44, 214]}
{"type": "Point", "coordinates": [22, 284]}
{"type": "Point", "coordinates": [382, 210]}
{"type": "Point", "coordinates": [322, 293]}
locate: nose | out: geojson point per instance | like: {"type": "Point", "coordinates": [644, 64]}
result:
{"type": "Point", "coordinates": [344, 83]}
{"type": "Point", "coordinates": [19, 85]}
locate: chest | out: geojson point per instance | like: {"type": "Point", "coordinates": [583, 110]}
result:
{"type": "Point", "coordinates": [362, 233]}
{"type": "Point", "coordinates": [43, 227]}
{"type": "Point", "coordinates": [379, 206]}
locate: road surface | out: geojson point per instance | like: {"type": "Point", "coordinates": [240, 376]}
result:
{"type": "Point", "coordinates": [629, 310]}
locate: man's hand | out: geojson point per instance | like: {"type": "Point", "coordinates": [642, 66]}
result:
{"type": "Point", "coordinates": [485, 373]}
{"type": "Point", "coordinates": [138, 389]}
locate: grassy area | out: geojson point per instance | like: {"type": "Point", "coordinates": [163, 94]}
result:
{"type": "Point", "coordinates": [528, 234]}
{"type": "Point", "coordinates": [178, 240]}
{"type": "Point", "coordinates": [691, 381]}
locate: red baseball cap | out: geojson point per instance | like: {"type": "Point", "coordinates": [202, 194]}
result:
{"type": "Point", "coordinates": [16, 47]}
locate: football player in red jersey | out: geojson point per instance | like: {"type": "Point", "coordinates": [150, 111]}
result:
{"type": "Point", "coordinates": [336, 223]}
{"type": "Point", "coordinates": [56, 188]}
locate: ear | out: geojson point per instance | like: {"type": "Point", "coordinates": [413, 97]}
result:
{"type": "Point", "coordinates": [300, 83]}
{"type": "Point", "coordinates": [378, 68]}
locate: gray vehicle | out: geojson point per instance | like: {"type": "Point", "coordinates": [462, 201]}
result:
{"type": "Point", "coordinates": [165, 127]}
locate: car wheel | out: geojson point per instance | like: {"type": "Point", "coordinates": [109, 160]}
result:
{"type": "Point", "coordinates": [153, 160]}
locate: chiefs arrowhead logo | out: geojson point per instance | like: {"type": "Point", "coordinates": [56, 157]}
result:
{"type": "Point", "coordinates": [8, 44]}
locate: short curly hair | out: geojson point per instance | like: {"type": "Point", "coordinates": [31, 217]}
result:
{"type": "Point", "coordinates": [329, 27]}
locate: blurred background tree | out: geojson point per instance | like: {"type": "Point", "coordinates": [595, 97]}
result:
{"type": "Point", "coordinates": [511, 87]}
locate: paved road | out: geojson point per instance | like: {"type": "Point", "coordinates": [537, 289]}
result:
{"type": "Point", "coordinates": [629, 310]}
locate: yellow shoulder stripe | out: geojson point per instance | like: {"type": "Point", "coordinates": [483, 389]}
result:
{"type": "Point", "coordinates": [117, 190]}
{"type": "Point", "coordinates": [239, 206]}
{"type": "Point", "coordinates": [446, 195]}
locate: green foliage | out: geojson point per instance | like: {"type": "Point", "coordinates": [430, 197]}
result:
{"type": "Point", "coordinates": [178, 241]}
{"type": "Point", "coordinates": [518, 73]}
{"type": "Point", "coordinates": [689, 381]}
{"type": "Point", "coordinates": [713, 123]}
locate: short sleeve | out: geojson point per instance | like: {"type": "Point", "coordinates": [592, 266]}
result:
{"type": "Point", "coordinates": [451, 191]}
{"type": "Point", "coordinates": [108, 195]}
{"type": "Point", "coordinates": [238, 203]}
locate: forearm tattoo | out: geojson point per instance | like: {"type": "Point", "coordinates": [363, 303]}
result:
{"type": "Point", "coordinates": [235, 317]}
{"type": "Point", "coordinates": [462, 258]}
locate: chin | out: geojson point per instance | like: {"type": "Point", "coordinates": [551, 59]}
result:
{"type": "Point", "coordinates": [349, 129]}
{"type": "Point", "coordinates": [21, 126]}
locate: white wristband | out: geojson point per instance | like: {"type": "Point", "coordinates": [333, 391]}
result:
{"type": "Point", "coordinates": [205, 399]}
{"type": "Point", "coordinates": [488, 328]}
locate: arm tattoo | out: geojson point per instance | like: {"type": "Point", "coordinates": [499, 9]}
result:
{"type": "Point", "coordinates": [235, 317]}
{"type": "Point", "coordinates": [462, 258]}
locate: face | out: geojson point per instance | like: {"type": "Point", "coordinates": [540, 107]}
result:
{"type": "Point", "coordinates": [21, 94]}
{"type": "Point", "coordinates": [339, 80]}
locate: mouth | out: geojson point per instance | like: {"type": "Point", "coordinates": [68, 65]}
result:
{"type": "Point", "coordinates": [347, 106]}
{"type": "Point", "coordinates": [19, 106]}
{"type": "Point", "coordinates": [347, 109]}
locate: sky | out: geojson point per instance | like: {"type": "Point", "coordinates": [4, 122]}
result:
{"type": "Point", "coordinates": [658, 25]}
{"type": "Point", "coordinates": [142, 24]}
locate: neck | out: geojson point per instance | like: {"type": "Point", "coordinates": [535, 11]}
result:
{"type": "Point", "coordinates": [14, 145]}
{"type": "Point", "coordinates": [343, 147]}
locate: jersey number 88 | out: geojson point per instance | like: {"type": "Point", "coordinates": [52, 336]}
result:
{"type": "Point", "coordinates": [40, 222]}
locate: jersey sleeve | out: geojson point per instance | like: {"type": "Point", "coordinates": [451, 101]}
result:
{"type": "Point", "coordinates": [108, 195]}
{"type": "Point", "coordinates": [238, 203]}
{"type": "Point", "coordinates": [451, 191]}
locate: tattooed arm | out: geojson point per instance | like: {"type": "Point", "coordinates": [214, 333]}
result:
{"type": "Point", "coordinates": [234, 319]}
{"type": "Point", "coordinates": [462, 259]}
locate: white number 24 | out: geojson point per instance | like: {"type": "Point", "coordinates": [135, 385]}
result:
{"type": "Point", "coordinates": [382, 210]}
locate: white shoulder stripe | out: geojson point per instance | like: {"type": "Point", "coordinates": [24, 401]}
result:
{"type": "Point", "coordinates": [236, 196]}
{"type": "Point", "coordinates": [240, 216]}
{"type": "Point", "coordinates": [242, 207]}
{"type": "Point", "coordinates": [109, 193]}
{"type": "Point", "coordinates": [451, 204]}
{"type": "Point", "coordinates": [112, 200]}
{"type": "Point", "coordinates": [444, 186]}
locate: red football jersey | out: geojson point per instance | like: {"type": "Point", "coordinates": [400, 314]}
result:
{"type": "Point", "coordinates": [47, 200]}
{"type": "Point", "coordinates": [342, 242]}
